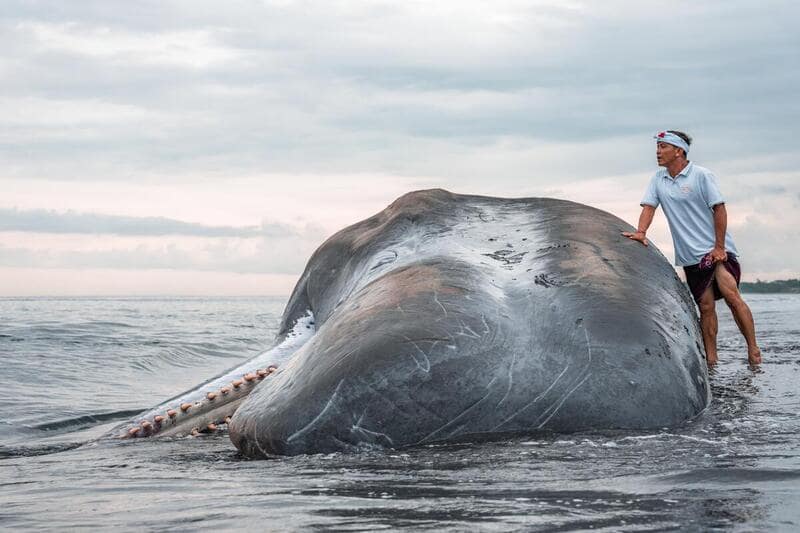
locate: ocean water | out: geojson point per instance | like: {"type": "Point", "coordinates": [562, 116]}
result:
{"type": "Point", "coordinates": [74, 368]}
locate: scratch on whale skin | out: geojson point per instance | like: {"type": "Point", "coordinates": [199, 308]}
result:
{"type": "Point", "coordinates": [539, 397]}
{"type": "Point", "coordinates": [436, 299]}
{"type": "Point", "coordinates": [461, 414]}
{"type": "Point", "coordinates": [586, 374]}
{"type": "Point", "coordinates": [510, 378]}
{"type": "Point", "coordinates": [567, 395]}
{"type": "Point", "coordinates": [317, 418]}
{"type": "Point", "coordinates": [358, 427]}
{"type": "Point", "coordinates": [425, 368]}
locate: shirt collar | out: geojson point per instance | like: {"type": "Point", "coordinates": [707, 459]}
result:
{"type": "Point", "coordinates": [684, 172]}
{"type": "Point", "coordinates": [686, 169]}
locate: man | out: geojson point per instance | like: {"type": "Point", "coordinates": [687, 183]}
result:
{"type": "Point", "coordinates": [698, 222]}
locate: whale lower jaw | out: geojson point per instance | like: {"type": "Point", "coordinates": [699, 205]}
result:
{"type": "Point", "coordinates": [200, 416]}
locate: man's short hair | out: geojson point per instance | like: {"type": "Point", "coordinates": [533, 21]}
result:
{"type": "Point", "coordinates": [685, 136]}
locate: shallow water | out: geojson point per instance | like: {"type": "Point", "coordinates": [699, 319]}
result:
{"type": "Point", "coordinates": [74, 368]}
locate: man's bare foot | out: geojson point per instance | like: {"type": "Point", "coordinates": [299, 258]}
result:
{"type": "Point", "coordinates": [754, 357]}
{"type": "Point", "coordinates": [711, 361]}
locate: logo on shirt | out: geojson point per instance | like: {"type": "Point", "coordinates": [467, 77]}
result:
{"type": "Point", "coordinates": [686, 190]}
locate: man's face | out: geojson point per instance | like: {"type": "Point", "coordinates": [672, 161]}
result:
{"type": "Point", "coordinates": [666, 153]}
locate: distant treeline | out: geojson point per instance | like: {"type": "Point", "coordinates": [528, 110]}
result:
{"type": "Point", "coordinates": [781, 285]}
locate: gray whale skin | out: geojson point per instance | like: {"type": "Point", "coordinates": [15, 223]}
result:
{"type": "Point", "coordinates": [450, 317]}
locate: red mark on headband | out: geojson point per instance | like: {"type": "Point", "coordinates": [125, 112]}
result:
{"type": "Point", "coordinates": [662, 135]}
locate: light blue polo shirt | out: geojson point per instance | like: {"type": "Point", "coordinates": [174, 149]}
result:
{"type": "Point", "coordinates": [687, 200]}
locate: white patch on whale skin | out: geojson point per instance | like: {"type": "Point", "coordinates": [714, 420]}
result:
{"type": "Point", "coordinates": [520, 231]}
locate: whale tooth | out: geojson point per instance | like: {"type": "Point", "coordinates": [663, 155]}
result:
{"type": "Point", "coordinates": [146, 424]}
{"type": "Point", "coordinates": [171, 413]}
{"type": "Point", "coordinates": [272, 368]}
{"type": "Point", "coordinates": [236, 383]}
{"type": "Point", "coordinates": [249, 377]}
{"type": "Point", "coordinates": [211, 427]}
{"type": "Point", "coordinates": [224, 390]}
{"type": "Point", "coordinates": [195, 432]}
{"type": "Point", "coordinates": [261, 373]}
{"type": "Point", "coordinates": [158, 419]}
{"type": "Point", "coordinates": [227, 420]}
{"type": "Point", "coordinates": [211, 395]}
{"type": "Point", "coordinates": [133, 431]}
{"type": "Point", "coordinates": [185, 407]}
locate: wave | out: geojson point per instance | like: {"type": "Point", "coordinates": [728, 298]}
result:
{"type": "Point", "coordinates": [77, 423]}
{"type": "Point", "coordinates": [9, 452]}
{"type": "Point", "coordinates": [733, 475]}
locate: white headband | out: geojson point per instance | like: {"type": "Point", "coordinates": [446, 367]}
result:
{"type": "Point", "coordinates": [671, 138]}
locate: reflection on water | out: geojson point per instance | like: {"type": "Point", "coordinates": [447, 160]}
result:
{"type": "Point", "coordinates": [73, 368]}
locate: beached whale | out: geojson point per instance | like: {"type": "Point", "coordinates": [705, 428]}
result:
{"type": "Point", "coordinates": [449, 316]}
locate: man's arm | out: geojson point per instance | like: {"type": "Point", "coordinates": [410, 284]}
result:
{"type": "Point", "coordinates": [720, 225]}
{"type": "Point", "coordinates": [645, 219]}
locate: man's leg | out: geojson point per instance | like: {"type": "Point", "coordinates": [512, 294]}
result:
{"type": "Point", "coordinates": [708, 325]}
{"type": "Point", "coordinates": [741, 312]}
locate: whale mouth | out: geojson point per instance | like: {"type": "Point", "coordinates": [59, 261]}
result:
{"type": "Point", "coordinates": [212, 404]}
{"type": "Point", "coordinates": [203, 415]}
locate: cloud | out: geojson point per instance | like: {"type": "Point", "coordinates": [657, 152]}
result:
{"type": "Point", "coordinates": [50, 221]}
{"type": "Point", "coordinates": [765, 246]}
{"type": "Point", "coordinates": [28, 282]}
{"type": "Point", "coordinates": [187, 49]}
{"type": "Point", "coordinates": [341, 88]}
{"type": "Point", "coordinates": [275, 256]}
{"type": "Point", "coordinates": [48, 239]}
{"type": "Point", "coordinates": [266, 110]}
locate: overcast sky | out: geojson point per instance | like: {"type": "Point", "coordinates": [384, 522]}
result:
{"type": "Point", "coordinates": [204, 148]}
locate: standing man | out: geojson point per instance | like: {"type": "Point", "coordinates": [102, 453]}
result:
{"type": "Point", "coordinates": [698, 223]}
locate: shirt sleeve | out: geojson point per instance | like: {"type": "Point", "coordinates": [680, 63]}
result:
{"type": "Point", "coordinates": [710, 190]}
{"type": "Point", "coordinates": [651, 194]}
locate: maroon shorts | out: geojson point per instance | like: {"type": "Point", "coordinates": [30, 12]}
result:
{"type": "Point", "coordinates": [699, 279]}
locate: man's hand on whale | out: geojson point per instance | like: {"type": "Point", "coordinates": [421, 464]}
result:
{"type": "Point", "coordinates": [637, 235]}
